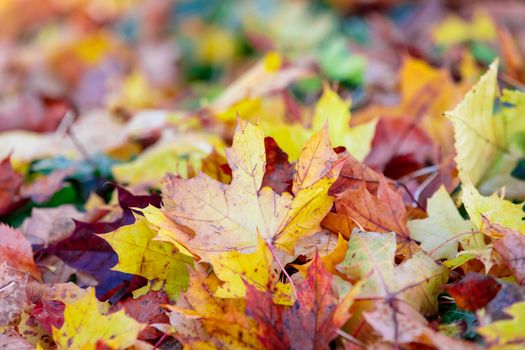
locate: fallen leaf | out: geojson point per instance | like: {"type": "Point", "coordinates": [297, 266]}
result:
{"type": "Point", "coordinates": [494, 208]}
{"type": "Point", "coordinates": [139, 254]}
{"type": "Point", "coordinates": [511, 247]}
{"type": "Point", "coordinates": [13, 297]}
{"type": "Point", "coordinates": [86, 323]}
{"type": "Point", "coordinates": [444, 229]}
{"type": "Point", "coordinates": [217, 212]}
{"type": "Point", "coordinates": [382, 212]}
{"type": "Point", "coordinates": [474, 291]}
{"type": "Point", "coordinates": [417, 281]}
{"type": "Point", "coordinates": [145, 309]}
{"type": "Point", "coordinates": [478, 141]}
{"type": "Point", "coordinates": [16, 251]}
{"type": "Point", "coordinates": [50, 225]}
{"type": "Point", "coordinates": [10, 183]}
{"type": "Point", "coordinates": [506, 334]}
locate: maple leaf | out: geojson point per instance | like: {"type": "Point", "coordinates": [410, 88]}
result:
{"type": "Point", "coordinates": [417, 280]}
{"type": "Point", "coordinates": [179, 153]}
{"type": "Point", "coordinates": [474, 291]}
{"type": "Point", "coordinates": [16, 251]}
{"type": "Point", "coordinates": [383, 212]}
{"type": "Point", "coordinates": [146, 309]}
{"type": "Point", "coordinates": [444, 228]}
{"type": "Point", "coordinates": [313, 320]}
{"type": "Point", "coordinates": [49, 314]}
{"type": "Point", "coordinates": [199, 318]}
{"type": "Point", "coordinates": [401, 324]}
{"type": "Point", "coordinates": [279, 172]}
{"type": "Point", "coordinates": [13, 296]}
{"type": "Point", "coordinates": [506, 334]}
{"type": "Point", "coordinates": [309, 324]}
{"type": "Point", "coordinates": [399, 147]}
{"type": "Point", "coordinates": [478, 141]}
{"type": "Point", "coordinates": [10, 183]}
{"type": "Point", "coordinates": [334, 110]}
{"type": "Point", "coordinates": [139, 254]}
{"type": "Point", "coordinates": [353, 173]}
{"type": "Point", "coordinates": [86, 323]}
{"type": "Point", "coordinates": [217, 212]}
{"type": "Point", "coordinates": [236, 269]}
{"type": "Point", "coordinates": [495, 209]}
{"type": "Point", "coordinates": [50, 225]}
{"type": "Point", "coordinates": [86, 251]}
{"type": "Point", "coordinates": [512, 249]}
{"type": "Point", "coordinates": [330, 107]}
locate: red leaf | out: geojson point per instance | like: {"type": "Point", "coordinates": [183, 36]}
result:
{"type": "Point", "coordinates": [260, 306]}
{"type": "Point", "coordinates": [146, 309]}
{"type": "Point", "coordinates": [353, 174]}
{"type": "Point", "coordinates": [16, 251]}
{"type": "Point", "coordinates": [49, 313]}
{"type": "Point", "coordinates": [399, 147]}
{"type": "Point", "coordinates": [279, 172]}
{"type": "Point", "coordinates": [309, 324]}
{"type": "Point", "coordinates": [512, 249]}
{"type": "Point", "coordinates": [10, 182]}
{"type": "Point", "coordinates": [474, 291]}
{"type": "Point", "coordinates": [384, 212]}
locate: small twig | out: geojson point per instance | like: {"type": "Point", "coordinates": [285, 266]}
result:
{"type": "Point", "coordinates": [7, 286]}
{"type": "Point", "coordinates": [350, 338]}
{"type": "Point", "coordinates": [418, 173]}
{"type": "Point", "coordinates": [67, 124]}
{"type": "Point", "coordinates": [160, 341]}
{"type": "Point", "coordinates": [274, 254]}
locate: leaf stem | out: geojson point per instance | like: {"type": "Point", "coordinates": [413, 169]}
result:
{"type": "Point", "coordinates": [274, 254]}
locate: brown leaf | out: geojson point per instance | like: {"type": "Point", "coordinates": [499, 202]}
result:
{"type": "Point", "coordinates": [309, 324]}
{"type": "Point", "coordinates": [384, 212]}
{"type": "Point", "coordinates": [512, 249]}
{"type": "Point", "coordinates": [145, 309]}
{"type": "Point", "coordinates": [11, 340]}
{"type": "Point", "coordinates": [474, 291]}
{"type": "Point", "coordinates": [399, 147]}
{"type": "Point", "coordinates": [401, 324]}
{"type": "Point", "coordinates": [50, 225]}
{"type": "Point", "coordinates": [10, 182]}
{"type": "Point", "coordinates": [279, 172]}
{"type": "Point", "coordinates": [353, 174]}
{"type": "Point", "coordinates": [13, 295]}
{"type": "Point", "coordinates": [16, 251]}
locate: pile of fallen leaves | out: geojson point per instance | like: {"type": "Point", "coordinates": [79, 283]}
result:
{"type": "Point", "coordinates": [184, 175]}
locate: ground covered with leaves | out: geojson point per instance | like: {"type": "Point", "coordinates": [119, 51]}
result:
{"type": "Point", "coordinates": [262, 174]}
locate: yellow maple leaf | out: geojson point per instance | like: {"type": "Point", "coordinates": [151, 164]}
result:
{"type": "Point", "coordinates": [477, 133]}
{"type": "Point", "coordinates": [336, 111]}
{"type": "Point", "coordinates": [507, 334]}
{"type": "Point", "coordinates": [230, 217]}
{"type": "Point", "coordinates": [444, 228]}
{"type": "Point", "coordinates": [86, 323]}
{"type": "Point", "coordinates": [455, 30]}
{"type": "Point", "coordinates": [181, 154]}
{"type": "Point", "coordinates": [494, 208]}
{"type": "Point", "coordinates": [139, 254]}
{"type": "Point", "coordinates": [204, 321]}
{"type": "Point", "coordinates": [371, 255]}
{"type": "Point", "coordinates": [256, 268]}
